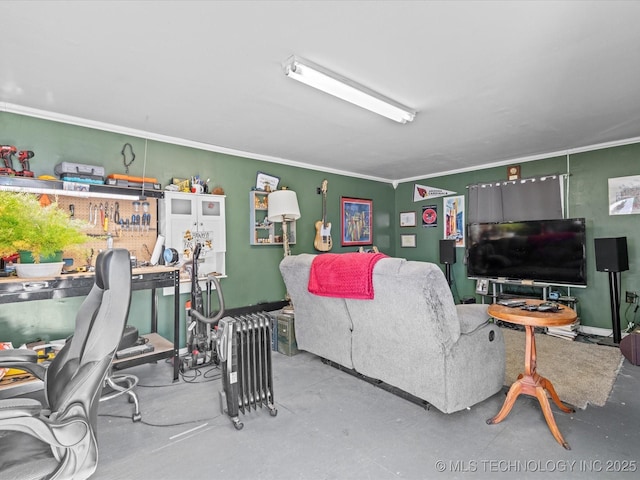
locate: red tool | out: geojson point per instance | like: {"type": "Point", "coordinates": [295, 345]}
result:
{"type": "Point", "coordinates": [7, 152]}
{"type": "Point", "coordinates": [24, 156]}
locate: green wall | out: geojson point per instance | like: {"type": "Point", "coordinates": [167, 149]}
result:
{"type": "Point", "coordinates": [587, 196]}
{"type": "Point", "coordinates": [252, 271]}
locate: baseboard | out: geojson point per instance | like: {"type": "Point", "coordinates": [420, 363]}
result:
{"type": "Point", "coordinates": [259, 307]}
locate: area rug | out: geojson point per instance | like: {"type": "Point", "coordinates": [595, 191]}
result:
{"type": "Point", "coordinates": [581, 373]}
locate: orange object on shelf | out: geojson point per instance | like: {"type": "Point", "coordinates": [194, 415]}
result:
{"type": "Point", "coordinates": [130, 178]}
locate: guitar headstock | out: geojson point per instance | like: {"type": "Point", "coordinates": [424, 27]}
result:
{"type": "Point", "coordinates": [323, 188]}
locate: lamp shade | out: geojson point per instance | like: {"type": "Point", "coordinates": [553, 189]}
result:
{"type": "Point", "coordinates": [283, 205]}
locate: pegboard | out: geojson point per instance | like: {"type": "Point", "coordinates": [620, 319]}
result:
{"type": "Point", "coordinates": [138, 239]}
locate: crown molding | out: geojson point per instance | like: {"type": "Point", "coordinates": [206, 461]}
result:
{"type": "Point", "coordinates": [108, 127]}
{"type": "Point", "coordinates": [112, 128]}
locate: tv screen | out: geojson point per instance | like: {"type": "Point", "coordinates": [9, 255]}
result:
{"type": "Point", "coordinates": [545, 251]}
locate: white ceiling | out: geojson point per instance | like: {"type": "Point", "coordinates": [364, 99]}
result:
{"type": "Point", "coordinates": [493, 82]}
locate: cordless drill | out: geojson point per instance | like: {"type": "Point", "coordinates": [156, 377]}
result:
{"type": "Point", "coordinates": [24, 156]}
{"type": "Point", "coordinates": [7, 152]}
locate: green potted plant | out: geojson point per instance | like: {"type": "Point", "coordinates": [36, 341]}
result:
{"type": "Point", "coordinates": [38, 233]}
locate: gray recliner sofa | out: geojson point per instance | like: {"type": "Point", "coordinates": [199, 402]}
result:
{"type": "Point", "coordinates": [411, 336]}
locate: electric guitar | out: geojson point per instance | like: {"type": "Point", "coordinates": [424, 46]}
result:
{"type": "Point", "coordinates": [323, 242]}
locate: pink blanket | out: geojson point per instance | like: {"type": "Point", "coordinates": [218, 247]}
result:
{"type": "Point", "coordinates": [343, 275]}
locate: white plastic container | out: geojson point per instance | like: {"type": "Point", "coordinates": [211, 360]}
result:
{"type": "Point", "coordinates": [35, 270]}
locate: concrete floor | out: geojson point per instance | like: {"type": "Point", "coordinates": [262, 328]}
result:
{"type": "Point", "coordinates": [331, 425]}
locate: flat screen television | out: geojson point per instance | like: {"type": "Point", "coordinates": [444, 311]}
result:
{"type": "Point", "coordinates": [543, 251]}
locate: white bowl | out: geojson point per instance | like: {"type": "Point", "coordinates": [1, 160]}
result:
{"type": "Point", "coordinates": [34, 270]}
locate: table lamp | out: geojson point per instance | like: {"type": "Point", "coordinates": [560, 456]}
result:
{"type": "Point", "coordinates": [283, 208]}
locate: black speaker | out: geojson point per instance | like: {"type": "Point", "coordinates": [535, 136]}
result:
{"type": "Point", "coordinates": [448, 252]}
{"type": "Point", "coordinates": [611, 254]}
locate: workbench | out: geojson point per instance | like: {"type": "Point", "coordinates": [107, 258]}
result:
{"type": "Point", "coordinates": [14, 289]}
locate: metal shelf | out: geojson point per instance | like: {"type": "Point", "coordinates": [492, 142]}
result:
{"type": "Point", "coordinates": [84, 190]}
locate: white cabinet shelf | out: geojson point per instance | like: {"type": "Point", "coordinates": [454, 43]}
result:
{"type": "Point", "coordinates": [261, 231]}
{"type": "Point", "coordinates": [186, 219]}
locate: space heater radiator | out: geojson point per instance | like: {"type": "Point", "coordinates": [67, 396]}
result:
{"type": "Point", "coordinates": [244, 349]}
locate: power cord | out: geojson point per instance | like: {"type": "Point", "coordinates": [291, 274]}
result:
{"type": "Point", "coordinates": [196, 371]}
{"type": "Point", "coordinates": [161, 425]}
{"type": "Point", "coordinates": [454, 288]}
{"type": "Point", "coordinates": [631, 324]}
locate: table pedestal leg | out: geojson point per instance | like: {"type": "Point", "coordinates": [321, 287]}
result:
{"type": "Point", "coordinates": [530, 383]}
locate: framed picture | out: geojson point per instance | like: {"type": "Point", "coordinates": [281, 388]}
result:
{"type": "Point", "coordinates": [482, 286]}
{"type": "Point", "coordinates": [624, 195]}
{"type": "Point", "coordinates": [356, 222]}
{"type": "Point", "coordinates": [454, 219]}
{"type": "Point", "coordinates": [513, 172]}
{"type": "Point", "coordinates": [407, 219]}
{"type": "Point", "coordinates": [430, 216]}
{"type": "Point", "coordinates": [408, 241]}
{"type": "Point", "coordinates": [266, 182]}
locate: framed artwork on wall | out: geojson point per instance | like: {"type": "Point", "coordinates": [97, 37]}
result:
{"type": "Point", "coordinates": [266, 182]}
{"type": "Point", "coordinates": [513, 172]}
{"type": "Point", "coordinates": [356, 222]}
{"type": "Point", "coordinates": [624, 195]}
{"type": "Point", "coordinates": [408, 241]}
{"type": "Point", "coordinates": [407, 219]}
{"type": "Point", "coordinates": [454, 219]}
{"type": "Point", "coordinates": [430, 216]}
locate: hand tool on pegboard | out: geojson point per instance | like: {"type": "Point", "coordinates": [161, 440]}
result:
{"type": "Point", "coordinates": [146, 216]}
{"type": "Point", "coordinates": [135, 222]}
{"type": "Point", "coordinates": [146, 221]}
{"type": "Point", "coordinates": [105, 217]}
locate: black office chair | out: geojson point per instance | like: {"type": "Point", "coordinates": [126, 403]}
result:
{"type": "Point", "coordinates": [58, 440]}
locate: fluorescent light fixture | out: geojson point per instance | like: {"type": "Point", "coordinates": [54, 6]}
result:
{"type": "Point", "coordinates": [334, 84]}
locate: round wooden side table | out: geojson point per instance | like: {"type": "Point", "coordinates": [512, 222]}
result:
{"type": "Point", "coordinates": [529, 382]}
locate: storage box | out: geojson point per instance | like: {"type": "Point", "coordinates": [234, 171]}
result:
{"type": "Point", "coordinates": [79, 169]}
{"type": "Point", "coordinates": [287, 344]}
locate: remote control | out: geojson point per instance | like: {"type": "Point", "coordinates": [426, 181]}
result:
{"type": "Point", "coordinates": [548, 307]}
{"type": "Point", "coordinates": [511, 303]}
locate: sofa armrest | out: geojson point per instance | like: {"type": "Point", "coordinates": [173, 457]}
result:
{"type": "Point", "coordinates": [471, 316]}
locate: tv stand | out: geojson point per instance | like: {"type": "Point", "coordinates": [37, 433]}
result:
{"type": "Point", "coordinates": [497, 288]}
{"type": "Point", "coordinates": [497, 292]}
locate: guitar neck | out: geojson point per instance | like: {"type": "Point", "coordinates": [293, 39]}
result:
{"type": "Point", "coordinates": [324, 208]}
{"type": "Point", "coordinates": [323, 241]}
